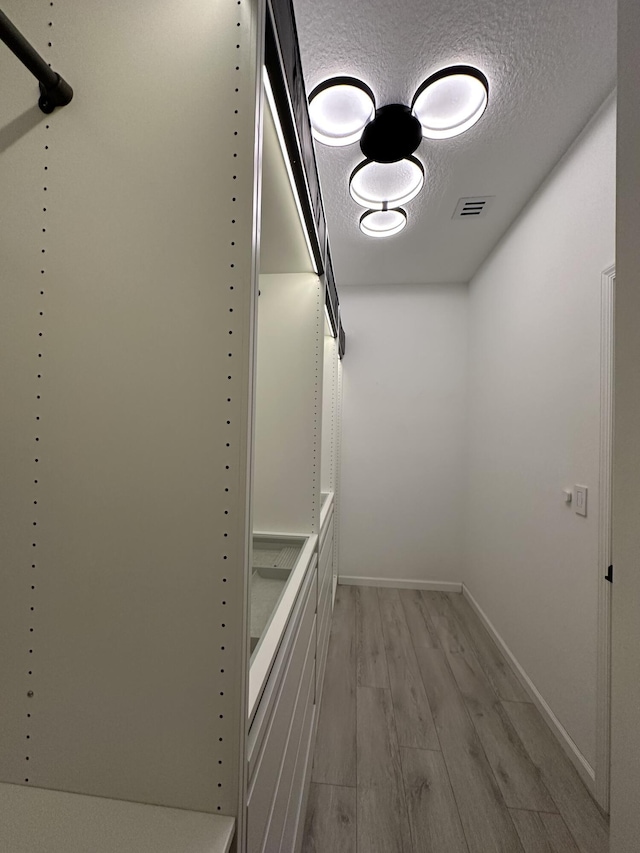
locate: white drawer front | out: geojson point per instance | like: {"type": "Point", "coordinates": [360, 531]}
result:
{"type": "Point", "coordinates": [289, 765]}
{"type": "Point", "coordinates": [269, 762]}
{"type": "Point", "coordinates": [324, 630]}
{"type": "Point", "coordinates": [294, 821]}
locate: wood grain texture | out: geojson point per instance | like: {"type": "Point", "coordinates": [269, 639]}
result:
{"type": "Point", "coordinates": [370, 656]}
{"type": "Point", "coordinates": [493, 754]}
{"type": "Point", "coordinates": [517, 776]}
{"type": "Point", "coordinates": [419, 619]}
{"type": "Point", "coordinates": [581, 815]}
{"type": "Point", "coordinates": [335, 752]}
{"type": "Point", "coordinates": [558, 834]}
{"type": "Point", "coordinates": [414, 722]}
{"type": "Point", "coordinates": [543, 833]}
{"type": "Point", "coordinates": [382, 822]}
{"type": "Point", "coordinates": [450, 631]}
{"type": "Point", "coordinates": [378, 752]}
{"type": "Point", "coordinates": [484, 816]}
{"type": "Point", "coordinates": [330, 824]}
{"type": "Point", "coordinates": [433, 814]}
{"type": "Point", "coordinates": [496, 667]}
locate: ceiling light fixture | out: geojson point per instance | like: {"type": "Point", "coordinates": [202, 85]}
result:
{"type": "Point", "coordinates": [340, 109]}
{"type": "Point", "coordinates": [380, 186]}
{"type": "Point", "coordinates": [343, 110]}
{"type": "Point", "coordinates": [451, 101]}
{"type": "Point", "coordinates": [392, 135]}
{"type": "Point", "coordinates": [383, 223]}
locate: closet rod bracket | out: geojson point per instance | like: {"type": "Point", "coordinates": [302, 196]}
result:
{"type": "Point", "coordinates": [54, 96]}
{"type": "Point", "coordinates": [54, 90]}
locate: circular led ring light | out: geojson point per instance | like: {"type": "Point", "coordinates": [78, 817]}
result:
{"type": "Point", "coordinates": [380, 186]}
{"type": "Point", "coordinates": [383, 223]}
{"type": "Point", "coordinates": [451, 101]}
{"type": "Point", "coordinates": [340, 109]}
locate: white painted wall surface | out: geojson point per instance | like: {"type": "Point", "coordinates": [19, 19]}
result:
{"type": "Point", "coordinates": [625, 746]}
{"type": "Point", "coordinates": [403, 432]}
{"type": "Point", "coordinates": [534, 320]}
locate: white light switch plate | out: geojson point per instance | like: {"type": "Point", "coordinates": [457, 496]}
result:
{"type": "Point", "coordinates": [580, 499]}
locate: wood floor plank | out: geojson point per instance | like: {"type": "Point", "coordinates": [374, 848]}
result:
{"type": "Point", "coordinates": [335, 752]}
{"type": "Point", "coordinates": [418, 618]}
{"type": "Point", "coordinates": [497, 669]}
{"type": "Point", "coordinates": [531, 831]}
{"type": "Point", "coordinates": [558, 834]}
{"type": "Point", "coordinates": [543, 833]}
{"type": "Point", "coordinates": [414, 722]}
{"type": "Point", "coordinates": [378, 753]}
{"type": "Point", "coordinates": [401, 790]}
{"type": "Point", "coordinates": [517, 776]}
{"type": "Point", "coordinates": [450, 631]}
{"type": "Point", "coordinates": [382, 820]}
{"type": "Point", "coordinates": [484, 816]}
{"type": "Point", "coordinates": [581, 815]}
{"type": "Point", "coordinates": [433, 814]}
{"type": "Point", "coordinates": [382, 824]}
{"type": "Point", "coordinates": [330, 824]}
{"type": "Point", "coordinates": [370, 656]}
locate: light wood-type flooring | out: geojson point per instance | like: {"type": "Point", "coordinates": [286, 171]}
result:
{"type": "Point", "coordinates": [427, 742]}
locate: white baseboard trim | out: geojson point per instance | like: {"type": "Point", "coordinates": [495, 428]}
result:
{"type": "Point", "coordinates": [585, 770]}
{"type": "Point", "coordinates": [441, 586]}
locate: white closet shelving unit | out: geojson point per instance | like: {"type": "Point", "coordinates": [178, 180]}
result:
{"type": "Point", "coordinates": [331, 426]}
{"type": "Point", "coordinates": [162, 421]}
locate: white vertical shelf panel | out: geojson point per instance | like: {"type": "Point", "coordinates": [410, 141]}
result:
{"type": "Point", "coordinates": [329, 414]}
{"type": "Point", "coordinates": [337, 498]}
{"type": "Point", "coordinates": [127, 358]}
{"type": "Point", "coordinates": [288, 404]}
{"type": "Point", "coordinates": [21, 172]}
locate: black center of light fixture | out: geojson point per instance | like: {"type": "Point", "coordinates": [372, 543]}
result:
{"type": "Point", "coordinates": [343, 111]}
{"type": "Point", "coordinates": [393, 134]}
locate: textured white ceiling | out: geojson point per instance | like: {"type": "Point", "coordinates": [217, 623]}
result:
{"type": "Point", "coordinates": [550, 64]}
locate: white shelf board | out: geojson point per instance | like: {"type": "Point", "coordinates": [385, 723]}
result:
{"type": "Point", "coordinates": [36, 820]}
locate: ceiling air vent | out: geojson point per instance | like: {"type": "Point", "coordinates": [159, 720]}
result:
{"type": "Point", "coordinates": [470, 208]}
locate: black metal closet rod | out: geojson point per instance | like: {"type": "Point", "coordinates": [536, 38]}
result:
{"type": "Point", "coordinates": [54, 91]}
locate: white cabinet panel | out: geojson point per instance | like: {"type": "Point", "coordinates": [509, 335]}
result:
{"type": "Point", "coordinates": [325, 594]}
{"type": "Point", "coordinates": [271, 741]}
{"type": "Point", "coordinates": [126, 327]}
{"type": "Point", "coordinates": [294, 821]}
{"type": "Point", "coordinates": [304, 705]}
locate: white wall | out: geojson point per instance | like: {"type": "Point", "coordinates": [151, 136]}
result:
{"type": "Point", "coordinates": [534, 320]}
{"type": "Point", "coordinates": [404, 404]}
{"type": "Point", "coordinates": [625, 747]}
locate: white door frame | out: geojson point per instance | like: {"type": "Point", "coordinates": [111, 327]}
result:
{"type": "Point", "coordinates": [603, 668]}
